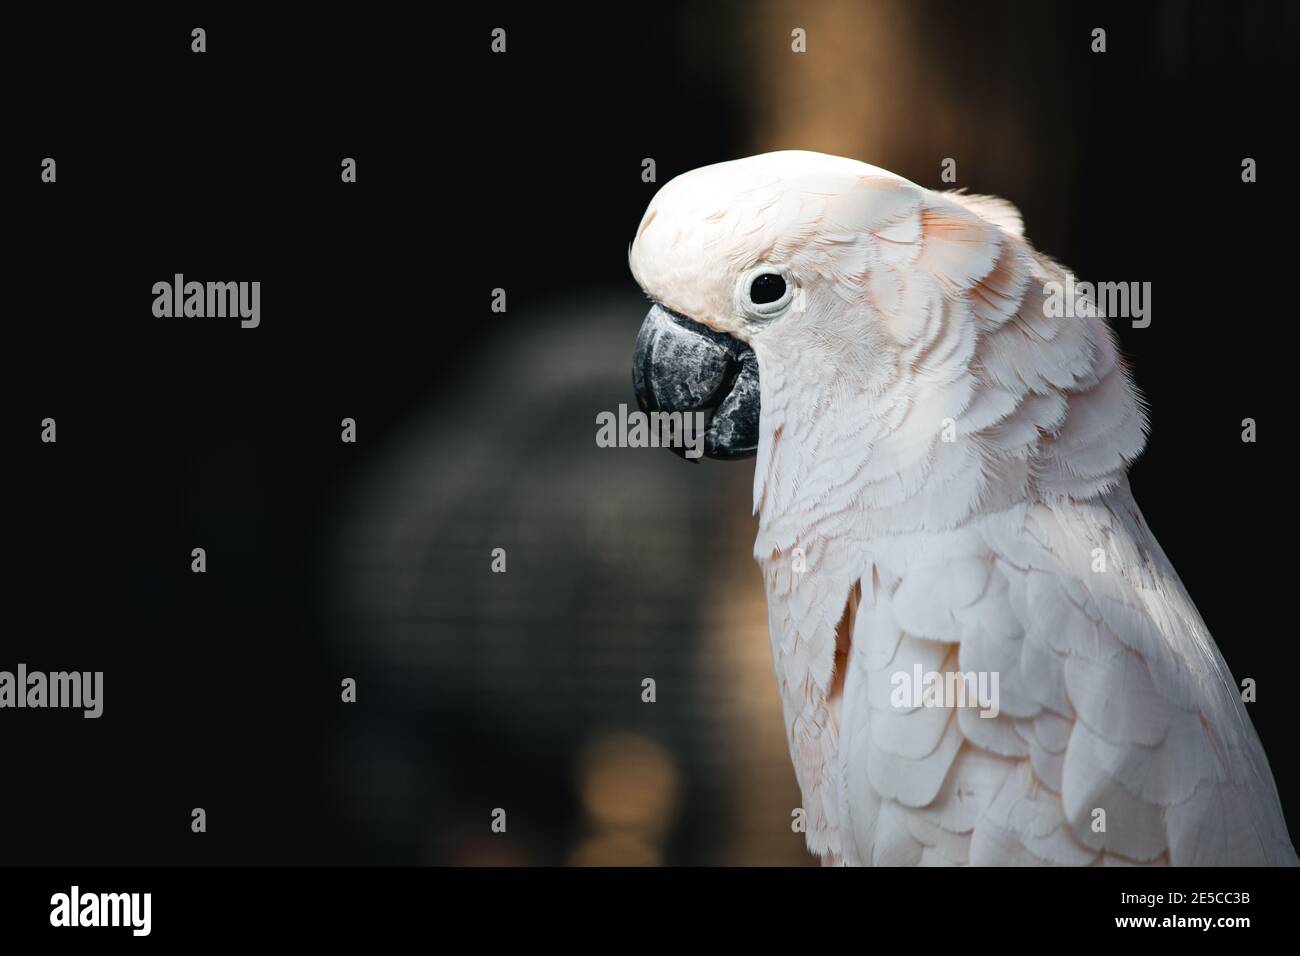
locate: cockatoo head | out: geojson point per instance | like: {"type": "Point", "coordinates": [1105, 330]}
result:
{"type": "Point", "coordinates": [852, 321]}
{"type": "Point", "coordinates": [768, 249]}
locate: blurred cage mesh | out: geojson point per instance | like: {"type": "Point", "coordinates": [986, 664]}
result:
{"type": "Point", "coordinates": [523, 690]}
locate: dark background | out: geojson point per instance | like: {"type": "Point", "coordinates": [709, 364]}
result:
{"type": "Point", "coordinates": [523, 171]}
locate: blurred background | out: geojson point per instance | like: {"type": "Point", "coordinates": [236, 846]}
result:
{"type": "Point", "coordinates": [523, 691]}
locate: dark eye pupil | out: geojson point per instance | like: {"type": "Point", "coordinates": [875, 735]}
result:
{"type": "Point", "coordinates": [766, 288]}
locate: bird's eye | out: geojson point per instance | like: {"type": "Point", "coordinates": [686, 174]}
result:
{"type": "Point", "coordinates": [767, 287]}
{"type": "Point", "coordinates": [764, 292]}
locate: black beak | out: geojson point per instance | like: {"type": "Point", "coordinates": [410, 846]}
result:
{"type": "Point", "coordinates": [682, 366]}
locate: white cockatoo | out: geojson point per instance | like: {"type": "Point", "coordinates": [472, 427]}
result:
{"type": "Point", "coordinates": [940, 481]}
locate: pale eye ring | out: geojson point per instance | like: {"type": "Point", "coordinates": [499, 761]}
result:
{"type": "Point", "coordinates": [765, 291]}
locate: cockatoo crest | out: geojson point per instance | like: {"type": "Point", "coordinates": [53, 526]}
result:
{"type": "Point", "coordinates": [922, 309]}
